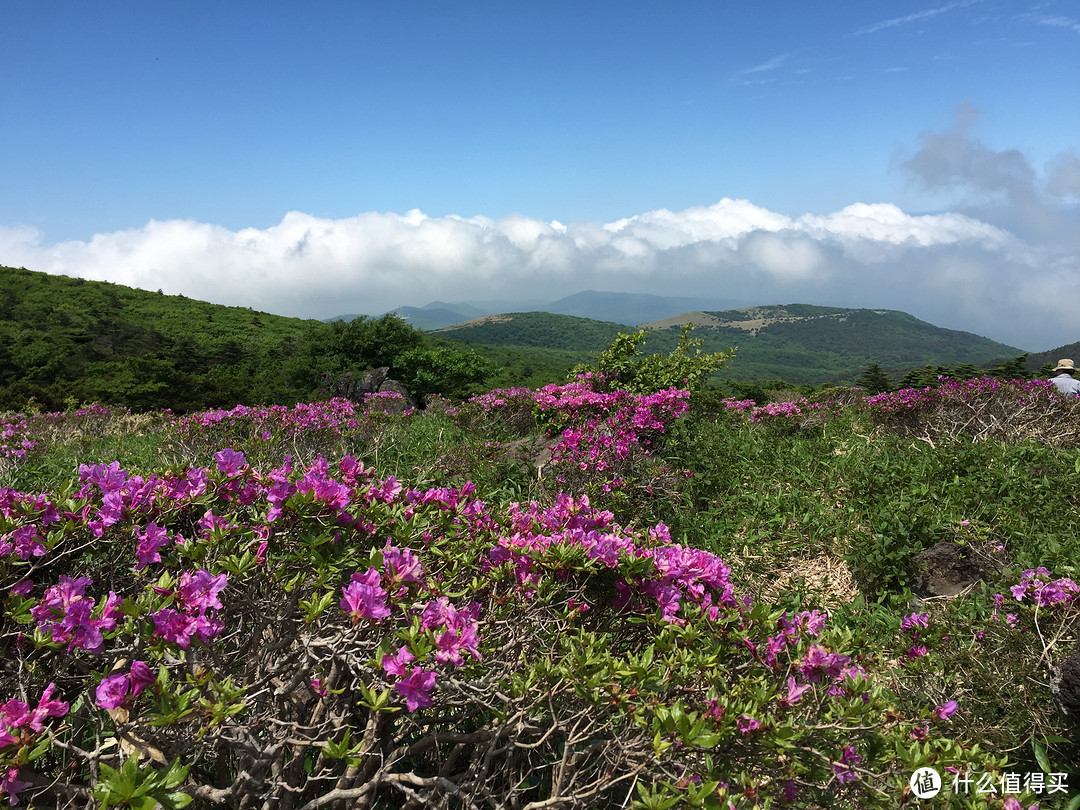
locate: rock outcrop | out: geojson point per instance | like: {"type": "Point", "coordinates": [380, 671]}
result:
{"type": "Point", "coordinates": [358, 388]}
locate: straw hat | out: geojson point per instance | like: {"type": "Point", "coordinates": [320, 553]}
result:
{"type": "Point", "coordinates": [1065, 365]}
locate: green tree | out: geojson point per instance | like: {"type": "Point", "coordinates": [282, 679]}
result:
{"type": "Point", "coordinates": [623, 366]}
{"type": "Point", "coordinates": [454, 373]}
{"type": "Point", "coordinates": [874, 380]}
{"type": "Point", "coordinates": [1013, 369]}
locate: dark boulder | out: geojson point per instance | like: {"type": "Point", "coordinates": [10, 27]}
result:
{"type": "Point", "coordinates": [949, 569]}
{"type": "Point", "coordinates": [1066, 684]}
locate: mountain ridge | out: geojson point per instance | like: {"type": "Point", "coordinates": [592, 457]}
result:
{"type": "Point", "coordinates": [796, 342]}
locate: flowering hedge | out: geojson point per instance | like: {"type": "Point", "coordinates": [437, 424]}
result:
{"type": "Point", "coordinates": [976, 409]}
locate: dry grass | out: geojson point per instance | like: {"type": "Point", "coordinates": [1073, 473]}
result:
{"type": "Point", "coordinates": [825, 577]}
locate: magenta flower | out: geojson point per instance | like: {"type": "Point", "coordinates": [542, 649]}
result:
{"type": "Point", "coordinates": [416, 689]}
{"type": "Point", "coordinates": [794, 693]}
{"type": "Point", "coordinates": [24, 542]}
{"type": "Point", "coordinates": [149, 542]}
{"type": "Point", "coordinates": [915, 620]}
{"type": "Point", "coordinates": [141, 677]}
{"type": "Point", "coordinates": [401, 564]}
{"type": "Point", "coordinates": [946, 709]}
{"type": "Point", "coordinates": [746, 724]}
{"type": "Point", "coordinates": [843, 769]}
{"type": "Point", "coordinates": [199, 591]}
{"type": "Point", "coordinates": [10, 785]}
{"type": "Point", "coordinates": [47, 707]}
{"type": "Point", "coordinates": [230, 462]}
{"type": "Point", "coordinates": [112, 691]}
{"type": "Point", "coordinates": [68, 615]}
{"type": "Point", "coordinates": [22, 588]}
{"type": "Point", "coordinates": [175, 627]}
{"type": "Point", "coordinates": [364, 598]}
{"type": "Point", "coordinates": [396, 664]}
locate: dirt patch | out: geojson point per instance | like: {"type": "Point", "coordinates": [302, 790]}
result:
{"type": "Point", "coordinates": [825, 576]}
{"type": "Point", "coordinates": [478, 322]}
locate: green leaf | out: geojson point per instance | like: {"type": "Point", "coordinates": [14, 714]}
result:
{"type": "Point", "coordinates": [1040, 756]}
{"type": "Point", "coordinates": [174, 775]}
{"type": "Point", "coordinates": [174, 800]}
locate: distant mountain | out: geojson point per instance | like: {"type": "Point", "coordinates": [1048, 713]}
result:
{"type": "Point", "coordinates": [795, 342]}
{"type": "Point", "coordinates": [537, 330]}
{"type": "Point", "coordinates": [434, 317]}
{"type": "Point", "coordinates": [1035, 361]}
{"type": "Point", "coordinates": [626, 308]}
{"type": "Point", "coordinates": [631, 308]}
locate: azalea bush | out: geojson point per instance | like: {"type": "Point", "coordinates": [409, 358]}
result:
{"type": "Point", "coordinates": [980, 409]}
{"type": "Point", "coordinates": [270, 434]}
{"type": "Point", "coordinates": [315, 635]}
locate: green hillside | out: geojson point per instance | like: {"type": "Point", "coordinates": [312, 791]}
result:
{"type": "Point", "coordinates": [65, 340]}
{"type": "Point", "coordinates": [814, 344]}
{"type": "Point", "coordinates": [538, 329]}
{"type": "Point", "coordinates": [799, 343]}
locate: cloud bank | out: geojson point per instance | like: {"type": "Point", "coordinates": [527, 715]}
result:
{"type": "Point", "coordinates": [1004, 263]}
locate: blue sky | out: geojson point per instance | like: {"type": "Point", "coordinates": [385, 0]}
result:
{"type": "Point", "coordinates": [350, 157]}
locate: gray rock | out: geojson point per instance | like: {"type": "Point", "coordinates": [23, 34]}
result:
{"type": "Point", "coordinates": [394, 405]}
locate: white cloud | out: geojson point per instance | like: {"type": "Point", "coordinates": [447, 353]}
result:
{"type": "Point", "coordinates": [955, 270]}
{"type": "Point", "coordinates": [917, 16]}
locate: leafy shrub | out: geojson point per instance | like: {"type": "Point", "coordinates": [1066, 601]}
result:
{"type": "Point", "coordinates": [622, 367]}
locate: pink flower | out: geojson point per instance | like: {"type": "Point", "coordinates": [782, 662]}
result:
{"type": "Point", "coordinates": [920, 732]}
{"type": "Point", "coordinates": [401, 564]}
{"type": "Point", "coordinates": [395, 665]}
{"type": "Point", "coordinates": [47, 707]}
{"type": "Point", "coordinates": [843, 769]}
{"type": "Point", "coordinates": [915, 620]}
{"type": "Point", "coordinates": [230, 462]}
{"type": "Point", "coordinates": [175, 627]}
{"type": "Point", "coordinates": [416, 689]}
{"type": "Point", "coordinates": [149, 542]}
{"type": "Point", "coordinates": [141, 677]}
{"type": "Point", "coordinates": [199, 591]}
{"type": "Point", "coordinates": [10, 785]}
{"type": "Point", "coordinates": [916, 651]}
{"type": "Point", "coordinates": [794, 693]}
{"type": "Point", "coordinates": [22, 588]}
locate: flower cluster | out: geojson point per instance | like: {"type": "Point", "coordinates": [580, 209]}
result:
{"type": "Point", "coordinates": [600, 433]}
{"type": "Point", "coordinates": [1037, 585]}
{"type": "Point", "coordinates": [68, 616]}
{"type": "Point", "coordinates": [15, 442]}
{"type": "Point", "coordinates": [18, 726]}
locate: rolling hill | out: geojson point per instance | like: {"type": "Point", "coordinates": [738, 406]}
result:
{"type": "Point", "coordinates": [799, 343]}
